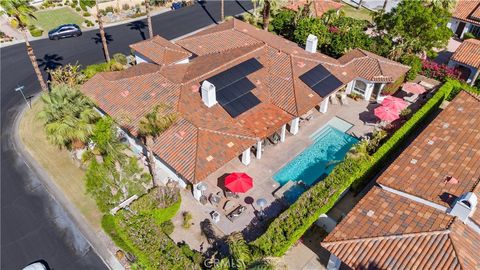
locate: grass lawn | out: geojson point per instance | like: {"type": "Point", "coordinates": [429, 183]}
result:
{"type": "Point", "coordinates": [58, 164]}
{"type": "Point", "coordinates": [50, 19]}
{"type": "Point", "coordinates": [361, 14]}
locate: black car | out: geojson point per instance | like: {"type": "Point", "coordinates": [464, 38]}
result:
{"type": "Point", "coordinates": [64, 31]}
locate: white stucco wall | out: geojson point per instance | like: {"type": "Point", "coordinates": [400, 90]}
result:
{"type": "Point", "coordinates": [368, 91]}
{"type": "Point", "coordinates": [141, 59]}
{"type": "Point", "coordinates": [473, 70]}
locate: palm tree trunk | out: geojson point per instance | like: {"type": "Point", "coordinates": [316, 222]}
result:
{"type": "Point", "coordinates": [360, 4]}
{"type": "Point", "coordinates": [151, 160]}
{"type": "Point", "coordinates": [266, 14]}
{"type": "Point", "coordinates": [222, 10]}
{"type": "Point", "coordinates": [149, 19]}
{"type": "Point", "coordinates": [33, 59]}
{"type": "Point", "coordinates": [102, 33]}
{"type": "Point", "coordinates": [384, 5]}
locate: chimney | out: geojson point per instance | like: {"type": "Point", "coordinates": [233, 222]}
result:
{"type": "Point", "coordinates": [209, 96]}
{"type": "Point", "coordinates": [464, 206]}
{"type": "Point", "coordinates": [312, 42]}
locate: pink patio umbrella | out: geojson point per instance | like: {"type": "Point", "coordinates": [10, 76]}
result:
{"type": "Point", "coordinates": [386, 113]}
{"type": "Point", "coordinates": [413, 88]}
{"type": "Point", "coordinates": [394, 103]}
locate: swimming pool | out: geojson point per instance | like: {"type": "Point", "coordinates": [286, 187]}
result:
{"type": "Point", "coordinates": [316, 162]}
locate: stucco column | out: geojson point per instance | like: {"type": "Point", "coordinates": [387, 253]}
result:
{"type": "Point", "coordinates": [259, 150]}
{"type": "Point", "coordinates": [324, 105]}
{"type": "Point", "coordinates": [294, 125]}
{"type": "Point", "coordinates": [282, 133]}
{"type": "Point", "coordinates": [349, 88]}
{"type": "Point", "coordinates": [368, 91]}
{"type": "Point", "coordinates": [246, 157]}
{"type": "Point", "coordinates": [379, 94]}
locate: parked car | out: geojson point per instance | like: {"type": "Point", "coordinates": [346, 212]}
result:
{"type": "Point", "coordinates": [64, 31]}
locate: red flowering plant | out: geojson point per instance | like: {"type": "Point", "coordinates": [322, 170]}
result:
{"type": "Point", "coordinates": [438, 72]}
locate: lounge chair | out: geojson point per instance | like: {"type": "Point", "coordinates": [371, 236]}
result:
{"type": "Point", "coordinates": [237, 212]}
{"type": "Point", "coordinates": [214, 199]}
{"type": "Point", "coordinates": [229, 205]}
{"type": "Point", "coordinates": [344, 99]}
{"type": "Point", "coordinates": [411, 99]}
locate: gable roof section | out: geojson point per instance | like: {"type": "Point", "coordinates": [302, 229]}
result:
{"type": "Point", "coordinates": [448, 146]}
{"type": "Point", "coordinates": [386, 230]}
{"type": "Point", "coordinates": [319, 6]}
{"type": "Point", "coordinates": [468, 11]}
{"type": "Point", "coordinates": [373, 67]}
{"type": "Point", "coordinates": [468, 53]}
{"type": "Point", "coordinates": [160, 50]}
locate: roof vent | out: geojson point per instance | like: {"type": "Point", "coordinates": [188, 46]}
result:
{"type": "Point", "coordinates": [370, 213]}
{"type": "Point", "coordinates": [413, 161]}
{"type": "Point", "coordinates": [430, 142]}
{"type": "Point", "coordinates": [460, 109]}
{"type": "Point", "coordinates": [311, 45]}
{"type": "Point", "coordinates": [446, 125]}
{"type": "Point", "coordinates": [209, 96]}
{"type": "Point", "coordinates": [450, 180]}
{"type": "Point", "coordinates": [230, 144]}
{"type": "Point", "coordinates": [209, 158]}
{"type": "Point", "coordinates": [464, 206]}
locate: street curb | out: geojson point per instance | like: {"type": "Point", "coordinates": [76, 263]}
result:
{"type": "Point", "coordinates": [58, 196]}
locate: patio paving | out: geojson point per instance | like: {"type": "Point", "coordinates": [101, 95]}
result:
{"type": "Point", "coordinates": [274, 157]}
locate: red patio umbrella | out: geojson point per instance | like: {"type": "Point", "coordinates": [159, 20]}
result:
{"type": "Point", "coordinates": [413, 88]}
{"type": "Point", "coordinates": [386, 113]}
{"type": "Point", "coordinates": [239, 182]}
{"type": "Point", "coordinates": [394, 103]}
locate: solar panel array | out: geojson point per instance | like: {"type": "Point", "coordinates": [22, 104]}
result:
{"type": "Point", "coordinates": [320, 80]}
{"type": "Point", "coordinates": [233, 89]}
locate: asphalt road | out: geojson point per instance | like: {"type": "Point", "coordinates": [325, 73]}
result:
{"type": "Point", "coordinates": [33, 225]}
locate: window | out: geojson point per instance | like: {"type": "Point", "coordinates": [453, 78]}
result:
{"type": "Point", "coordinates": [475, 30]}
{"type": "Point", "coordinates": [360, 87]}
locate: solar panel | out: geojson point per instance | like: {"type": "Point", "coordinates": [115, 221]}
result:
{"type": "Point", "coordinates": [314, 75]}
{"type": "Point", "coordinates": [327, 86]}
{"type": "Point", "coordinates": [234, 91]}
{"type": "Point", "coordinates": [235, 73]}
{"type": "Point", "coordinates": [241, 104]}
{"type": "Point", "coordinates": [320, 80]}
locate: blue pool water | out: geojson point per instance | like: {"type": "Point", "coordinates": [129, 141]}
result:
{"type": "Point", "coordinates": [316, 162]}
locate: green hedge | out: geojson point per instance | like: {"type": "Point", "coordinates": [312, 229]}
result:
{"type": "Point", "coordinates": [286, 229]}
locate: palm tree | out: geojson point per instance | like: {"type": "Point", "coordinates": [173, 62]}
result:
{"type": "Point", "coordinates": [385, 2]}
{"type": "Point", "coordinates": [102, 33]}
{"type": "Point", "coordinates": [222, 10]}
{"type": "Point", "coordinates": [149, 18]}
{"type": "Point", "coordinates": [69, 116]}
{"type": "Point", "coordinates": [269, 7]}
{"type": "Point", "coordinates": [21, 11]}
{"type": "Point", "coordinates": [151, 126]}
{"type": "Point", "coordinates": [446, 4]}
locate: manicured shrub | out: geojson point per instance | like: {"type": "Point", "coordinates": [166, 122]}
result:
{"type": "Point", "coordinates": [391, 88]}
{"type": "Point", "coordinates": [86, 14]}
{"type": "Point", "coordinates": [35, 32]}
{"type": "Point", "coordinates": [167, 227]}
{"type": "Point", "coordinates": [120, 58]}
{"type": "Point", "coordinates": [468, 35]}
{"type": "Point", "coordinates": [187, 218]}
{"type": "Point", "coordinates": [415, 64]}
{"type": "Point", "coordinates": [125, 7]}
{"type": "Point", "coordinates": [78, 9]}
{"type": "Point", "coordinates": [290, 225]}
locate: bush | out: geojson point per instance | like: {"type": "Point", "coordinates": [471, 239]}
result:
{"type": "Point", "coordinates": [187, 218]}
{"type": "Point", "coordinates": [88, 23]}
{"type": "Point", "coordinates": [86, 14]}
{"type": "Point", "coordinates": [468, 35]}
{"type": "Point", "coordinates": [391, 88]}
{"type": "Point", "coordinates": [36, 32]}
{"type": "Point", "coordinates": [167, 227]}
{"type": "Point", "coordinates": [415, 64]}
{"type": "Point", "coordinates": [126, 7]}
{"type": "Point", "coordinates": [109, 226]}
{"type": "Point", "coordinates": [109, 9]}
{"type": "Point", "coordinates": [78, 9]}
{"type": "Point", "coordinates": [120, 58]}
{"type": "Point", "coordinates": [290, 225]}
{"type": "Point", "coordinates": [91, 70]}
{"type": "Point", "coordinates": [439, 72]}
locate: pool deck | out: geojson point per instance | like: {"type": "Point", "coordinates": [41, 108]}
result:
{"type": "Point", "coordinates": [274, 157]}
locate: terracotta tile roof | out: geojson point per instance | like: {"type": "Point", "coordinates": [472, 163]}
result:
{"type": "Point", "coordinates": [373, 67]}
{"type": "Point", "coordinates": [160, 50]}
{"type": "Point", "coordinates": [468, 11]}
{"type": "Point", "coordinates": [468, 53]}
{"type": "Point", "coordinates": [386, 230]}
{"type": "Point", "coordinates": [319, 6]}
{"type": "Point", "coordinates": [128, 95]}
{"type": "Point", "coordinates": [449, 146]}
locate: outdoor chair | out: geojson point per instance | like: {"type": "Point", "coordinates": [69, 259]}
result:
{"type": "Point", "coordinates": [228, 206]}
{"type": "Point", "coordinates": [334, 100]}
{"type": "Point", "coordinates": [214, 199]}
{"type": "Point", "coordinates": [230, 194]}
{"type": "Point", "coordinates": [411, 99]}
{"type": "Point", "coordinates": [344, 99]}
{"type": "Point", "coordinates": [215, 216]}
{"type": "Point", "coordinates": [236, 213]}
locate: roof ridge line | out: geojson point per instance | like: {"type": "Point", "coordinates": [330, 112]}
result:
{"type": "Point", "coordinates": [228, 134]}
{"type": "Point", "coordinates": [477, 97]}
{"type": "Point", "coordinates": [387, 237]}
{"type": "Point", "coordinates": [293, 82]}
{"type": "Point", "coordinates": [208, 34]}
{"type": "Point", "coordinates": [196, 153]}
{"type": "Point", "coordinates": [455, 249]}
{"type": "Point", "coordinates": [221, 66]}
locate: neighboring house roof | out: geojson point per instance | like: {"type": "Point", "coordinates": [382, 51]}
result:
{"type": "Point", "coordinates": [211, 137]}
{"type": "Point", "coordinates": [373, 67]}
{"type": "Point", "coordinates": [319, 6]}
{"type": "Point", "coordinates": [468, 53]}
{"type": "Point", "coordinates": [160, 51]}
{"type": "Point", "coordinates": [468, 11]}
{"type": "Point", "coordinates": [387, 230]}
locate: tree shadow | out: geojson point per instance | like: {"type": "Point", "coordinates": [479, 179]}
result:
{"type": "Point", "coordinates": [138, 26]}
{"type": "Point", "coordinates": [98, 38]}
{"type": "Point", "coordinates": [243, 7]}
{"type": "Point", "coordinates": [203, 5]}
{"type": "Point", "coordinates": [260, 223]}
{"type": "Point", "coordinates": [49, 61]}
